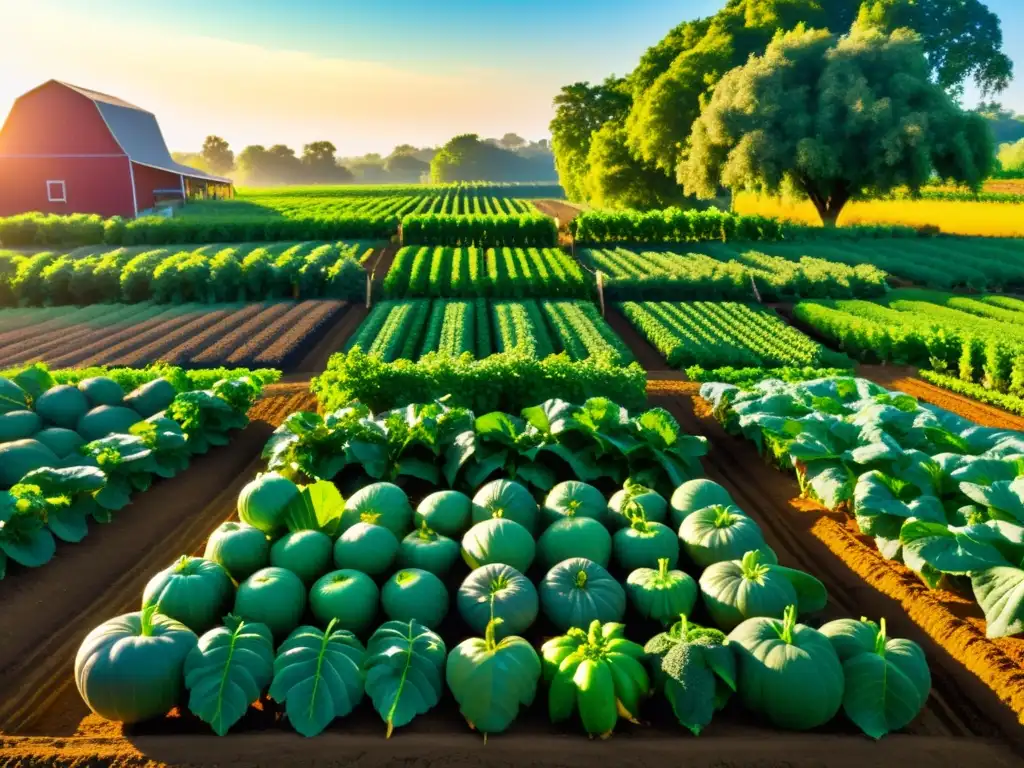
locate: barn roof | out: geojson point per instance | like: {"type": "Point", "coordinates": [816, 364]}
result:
{"type": "Point", "coordinates": [139, 135]}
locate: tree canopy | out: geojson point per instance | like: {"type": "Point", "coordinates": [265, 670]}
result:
{"type": "Point", "coordinates": [468, 158]}
{"type": "Point", "coordinates": [659, 101]}
{"type": "Point", "coordinates": [217, 155]}
{"type": "Point", "coordinates": [834, 117]}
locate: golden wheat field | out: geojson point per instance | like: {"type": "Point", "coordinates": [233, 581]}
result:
{"type": "Point", "coordinates": [952, 217]}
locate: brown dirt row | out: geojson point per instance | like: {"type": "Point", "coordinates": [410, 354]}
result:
{"type": "Point", "coordinates": [69, 351]}
{"type": "Point", "coordinates": [192, 345]}
{"type": "Point", "coordinates": [155, 350]}
{"type": "Point", "coordinates": [113, 352]}
{"type": "Point", "coordinates": [256, 345]}
{"type": "Point", "coordinates": [558, 209]}
{"type": "Point", "coordinates": [219, 351]}
{"type": "Point", "coordinates": [343, 327]}
{"type": "Point", "coordinates": [644, 352]}
{"type": "Point", "coordinates": [383, 262]}
{"type": "Point", "coordinates": [316, 321]}
{"type": "Point", "coordinates": [67, 316]}
{"type": "Point", "coordinates": [48, 611]}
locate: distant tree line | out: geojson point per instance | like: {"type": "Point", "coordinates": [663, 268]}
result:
{"type": "Point", "coordinates": [464, 158]}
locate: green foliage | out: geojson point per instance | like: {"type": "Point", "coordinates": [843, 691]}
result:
{"type": "Point", "coordinates": [467, 158]}
{"type": "Point", "coordinates": [131, 378]}
{"type": "Point", "coordinates": [787, 119]}
{"type": "Point", "coordinates": [526, 229]}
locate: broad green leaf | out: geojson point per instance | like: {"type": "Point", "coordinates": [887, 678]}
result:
{"type": "Point", "coordinates": [318, 507]}
{"type": "Point", "coordinates": [1000, 593]}
{"type": "Point", "coordinates": [947, 549]}
{"type": "Point", "coordinates": [318, 676]}
{"type": "Point", "coordinates": [457, 454]}
{"type": "Point", "coordinates": [227, 671]}
{"type": "Point", "coordinates": [689, 687]}
{"type": "Point", "coordinates": [831, 481]}
{"type": "Point", "coordinates": [424, 470]}
{"type": "Point", "coordinates": [26, 540]}
{"type": "Point", "coordinates": [69, 523]}
{"type": "Point", "coordinates": [404, 671]}
{"type": "Point", "coordinates": [1006, 497]}
{"type": "Point", "coordinates": [810, 592]}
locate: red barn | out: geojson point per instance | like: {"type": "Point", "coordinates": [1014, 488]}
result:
{"type": "Point", "coordinates": [65, 149]}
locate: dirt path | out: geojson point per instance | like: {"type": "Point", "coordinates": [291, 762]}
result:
{"type": "Point", "coordinates": [558, 209]}
{"type": "Point", "coordinates": [343, 326]}
{"type": "Point", "coordinates": [645, 354]}
{"type": "Point", "coordinates": [383, 262]}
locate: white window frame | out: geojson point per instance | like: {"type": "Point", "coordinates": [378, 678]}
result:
{"type": "Point", "coordinates": [63, 191]}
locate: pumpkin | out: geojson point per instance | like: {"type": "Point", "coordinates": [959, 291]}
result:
{"type": "Point", "coordinates": [633, 501]}
{"type": "Point", "coordinates": [573, 499]}
{"type": "Point", "coordinates": [886, 680]}
{"type": "Point", "coordinates": [696, 494]}
{"type": "Point", "coordinates": [239, 548]}
{"type": "Point", "coordinates": [736, 590]}
{"type": "Point", "coordinates": [383, 504]}
{"type": "Point", "coordinates": [264, 501]}
{"type": "Point", "coordinates": [101, 390]}
{"type": "Point", "coordinates": [19, 457]}
{"type": "Point", "coordinates": [272, 596]}
{"type": "Point", "coordinates": [195, 591]}
{"type": "Point", "coordinates": [491, 678]}
{"type": "Point", "coordinates": [428, 550]}
{"type": "Point", "coordinates": [596, 671]}
{"type": "Point", "coordinates": [788, 673]}
{"type": "Point", "coordinates": [498, 540]}
{"type": "Point", "coordinates": [307, 554]}
{"type": "Point", "coordinates": [366, 547]}
{"type": "Point", "coordinates": [348, 597]}
{"type": "Point", "coordinates": [501, 592]}
{"type": "Point", "coordinates": [716, 534]}
{"type": "Point", "coordinates": [575, 537]}
{"type": "Point", "coordinates": [413, 594]}
{"type": "Point", "coordinates": [643, 544]}
{"type": "Point", "coordinates": [63, 442]}
{"type": "Point", "coordinates": [508, 500]}
{"type": "Point", "coordinates": [21, 425]}
{"type": "Point", "coordinates": [105, 420]}
{"type": "Point", "coordinates": [661, 594]}
{"type": "Point", "coordinates": [447, 512]}
{"type": "Point", "coordinates": [63, 406]}
{"type": "Point", "coordinates": [151, 397]}
{"type": "Point", "coordinates": [131, 668]}
{"type": "Point", "coordinates": [578, 591]}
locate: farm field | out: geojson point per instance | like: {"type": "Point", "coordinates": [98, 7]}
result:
{"type": "Point", "coordinates": [510, 273]}
{"type": "Point", "coordinates": [952, 217]}
{"type": "Point", "coordinates": [412, 329]}
{"type": "Point", "coordinates": [271, 334]}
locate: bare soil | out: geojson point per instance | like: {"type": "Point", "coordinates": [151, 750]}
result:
{"type": "Point", "coordinates": [645, 354]}
{"type": "Point", "coordinates": [561, 210]}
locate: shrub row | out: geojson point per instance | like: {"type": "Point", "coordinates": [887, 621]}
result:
{"type": "Point", "coordinates": [484, 231]}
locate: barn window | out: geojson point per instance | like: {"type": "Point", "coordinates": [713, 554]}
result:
{"type": "Point", "coordinates": [56, 192]}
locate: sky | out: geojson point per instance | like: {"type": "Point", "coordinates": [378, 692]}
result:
{"type": "Point", "coordinates": [364, 74]}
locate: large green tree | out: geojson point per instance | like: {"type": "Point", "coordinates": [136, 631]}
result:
{"type": "Point", "coordinates": [615, 179]}
{"type": "Point", "coordinates": [218, 155]}
{"type": "Point", "coordinates": [467, 158]}
{"type": "Point", "coordinates": [834, 118]}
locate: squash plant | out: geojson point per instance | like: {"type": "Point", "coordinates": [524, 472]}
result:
{"type": "Point", "coordinates": [661, 594]}
{"type": "Point", "coordinates": [404, 668]}
{"type": "Point", "coordinates": [498, 591]}
{"type": "Point", "coordinates": [597, 672]}
{"type": "Point", "coordinates": [643, 544]}
{"type": "Point", "coordinates": [715, 534]}
{"type": "Point", "coordinates": [491, 679]}
{"type": "Point", "coordinates": [577, 592]}
{"type": "Point", "coordinates": [694, 669]}
{"type": "Point", "coordinates": [192, 590]}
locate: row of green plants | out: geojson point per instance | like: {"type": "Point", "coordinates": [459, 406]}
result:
{"type": "Point", "coordinates": [979, 341]}
{"type": "Point", "coordinates": [1008, 402]}
{"type": "Point", "coordinates": [933, 490]}
{"type": "Point", "coordinates": [720, 334]}
{"type": "Point", "coordinates": [508, 273]}
{"type": "Point", "coordinates": [551, 586]}
{"type": "Point", "coordinates": [131, 378]}
{"type": "Point", "coordinates": [75, 455]}
{"type": "Point", "coordinates": [523, 230]}
{"type": "Point", "coordinates": [729, 273]}
{"type": "Point", "coordinates": [210, 274]}
{"type": "Point", "coordinates": [676, 225]}
{"type": "Point", "coordinates": [519, 190]}
{"type": "Point", "coordinates": [746, 378]}
{"type": "Point", "coordinates": [498, 381]}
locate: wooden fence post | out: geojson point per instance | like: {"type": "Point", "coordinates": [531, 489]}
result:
{"type": "Point", "coordinates": [757, 294]}
{"type": "Point", "coordinates": [600, 290]}
{"type": "Point", "coordinates": [369, 291]}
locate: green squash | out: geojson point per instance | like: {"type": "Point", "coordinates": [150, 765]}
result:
{"type": "Point", "coordinates": [195, 591]}
{"type": "Point", "coordinates": [491, 679]}
{"type": "Point", "coordinates": [661, 594]}
{"type": "Point", "coordinates": [498, 591]}
{"type": "Point", "coordinates": [20, 457]}
{"type": "Point", "coordinates": [413, 594]}
{"type": "Point", "coordinates": [272, 596]}
{"type": "Point", "coordinates": [131, 668]}
{"type": "Point", "coordinates": [736, 590]}
{"type": "Point", "coordinates": [577, 592]}
{"type": "Point", "coordinates": [63, 406]}
{"type": "Point", "coordinates": [307, 554]}
{"type": "Point", "coordinates": [886, 680]}
{"type": "Point", "coordinates": [575, 537]}
{"type": "Point", "coordinates": [696, 494]}
{"type": "Point", "coordinates": [365, 547]}
{"type": "Point", "coordinates": [788, 672]}
{"type": "Point", "coordinates": [447, 512]}
{"type": "Point", "coordinates": [63, 442]}
{"type": "Point", "coordinates": [19, 425]}
{"type": "Point", "coordinates": [101, 390]}
{"type": "Point", "coordinates": [12, 397]}
{"type": "Point", "coordinates": [508, 500]}
{"type": "Point", "coordinates": [635, 501]}
{"type": "Point", "coordinates": [428, 550]}
{"type": "Point", "coordinates": [382, 504]}
{"type": "Point", "coordinates": [346, 596]}
{"type": "Point", "coordinates": [573, 499]}
{"type": "Point", "coordinates": [264, 501]}
{"type": "Point", "coordinates": [151, 397]}
{"type": "Point", "coordinates": [239, 548]}
{"type": "Point", "coordinates": [643, 544]}
{"type": "Point", "coordinates": [106, 420]}
{"type": "Point", "coordinates": [716, 534]}
{"type": "Point", "coordinates": [499, 540]}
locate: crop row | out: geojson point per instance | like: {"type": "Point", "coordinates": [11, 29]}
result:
{"type": "Point", "coordinates": [511, 273]}
{"type": "Point", "coordinates": [721, 271]}
{"type": "Point", "coordinates": [208, 274]}
{"type": "Point", "coordinates": [413, 329]}
{"type": "Point", "coordinates": [317, 206]}
{"type": "Point", "coordinates": [725, 334]}
{"type": "Point", "coordinates": [265, 334]}
{"type": "Point", "coordinates": [980, 339]}
{"type": "Point", "coordinates": [516, 190]}
{"type": "Point", "coordinates": [524, 229]}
